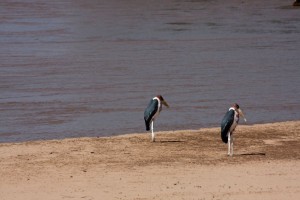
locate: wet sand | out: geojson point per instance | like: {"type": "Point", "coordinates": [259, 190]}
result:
{"type": "Point", "coordinates": [189, 164]}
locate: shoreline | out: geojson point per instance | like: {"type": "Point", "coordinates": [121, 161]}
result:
{"type": "Point", "coordinates": [186, 164]}
{"type": "Point", "coordinates": [146, 132]}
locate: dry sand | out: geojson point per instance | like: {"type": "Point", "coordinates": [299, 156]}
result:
{"type": "Point", "coordinates": [190, 164]}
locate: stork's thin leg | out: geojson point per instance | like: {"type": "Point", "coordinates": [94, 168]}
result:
{"type": "Point", "coordinates": [153, 134]}
{"type": "Point", "coordinates": [229, 143]}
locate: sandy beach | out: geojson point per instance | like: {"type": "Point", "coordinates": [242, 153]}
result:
{"type": "Point", "coordinates": [188, 164]}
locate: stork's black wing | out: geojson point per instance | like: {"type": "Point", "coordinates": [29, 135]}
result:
{"type": "Point", "coordinates": [150, 111]}
{"type": "Point", "coordinates": [226, 124]}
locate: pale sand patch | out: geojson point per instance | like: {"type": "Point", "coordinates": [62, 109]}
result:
{"type": "Point", "coordinates": [189, 164]}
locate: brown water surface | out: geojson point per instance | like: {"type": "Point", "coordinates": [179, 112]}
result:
{"type": "Point", "coordinates": [88, 68]}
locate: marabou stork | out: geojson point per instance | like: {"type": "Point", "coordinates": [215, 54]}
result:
{"type": "Point", "coordinates": [228, 125]}
{"type": "Point", "coordinates": [152, 111]}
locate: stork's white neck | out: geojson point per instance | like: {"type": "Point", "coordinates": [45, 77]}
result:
{"type": "Point", "coordinates": [156, 99]}
{"type": "Point", "coordinates": [232, 108]}
{"type": "Point", "coordinates": [159, 103]}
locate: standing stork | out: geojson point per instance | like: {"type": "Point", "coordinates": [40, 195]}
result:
{"type": "Point", "coordinates": [228, 125]}
{"type": "Point", "coordinates": [152, 111]}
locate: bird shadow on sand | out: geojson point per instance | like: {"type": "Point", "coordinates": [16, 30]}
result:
{"type": "Point", "coordinates": [170, 141]}
{"type": "Point", "coordinates": [251, 154]}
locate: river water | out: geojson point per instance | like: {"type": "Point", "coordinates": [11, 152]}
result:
{"type": "Point", "coordinates": [75, 68]}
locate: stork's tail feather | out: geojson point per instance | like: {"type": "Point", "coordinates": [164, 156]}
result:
{"type": "Point", "coordinates": [224, 138]}
{"type": "Point", "coordinates": [147, 126]}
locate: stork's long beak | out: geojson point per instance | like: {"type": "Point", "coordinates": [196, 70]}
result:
{"type": "Point", "coordinates": [165, 103]}
{"type": "Point", "coordinates": [242, 114]}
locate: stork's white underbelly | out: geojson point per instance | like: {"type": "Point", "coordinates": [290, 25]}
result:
{"type": "Point", "coordinates": [155, 116]}
{"type": "Point", "coordinates": [158, 109]}
{"type": "Point", "coordinates": [235, 122]}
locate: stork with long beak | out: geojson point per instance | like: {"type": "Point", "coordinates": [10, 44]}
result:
{"type": "Point", "coordinates": [152, 112]}
{"type": "Point", "coordinates": [228, 125]}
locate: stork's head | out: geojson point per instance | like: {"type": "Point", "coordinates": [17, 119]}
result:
{"type": "Point", "coordinates": [237, 108]}
{"type": "Point", "coordinates": [162, 100]}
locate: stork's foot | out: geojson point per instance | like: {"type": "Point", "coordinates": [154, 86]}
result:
{"type": "Point", "coordinates": [152, 137]}
{"type": "Point", "coordinates": [230, 153]}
